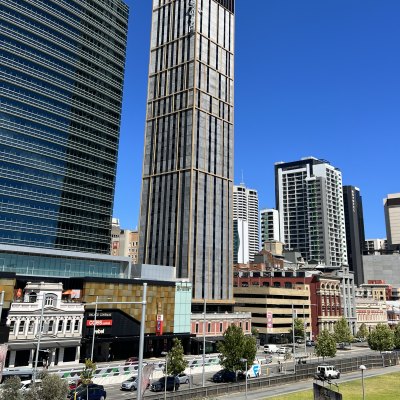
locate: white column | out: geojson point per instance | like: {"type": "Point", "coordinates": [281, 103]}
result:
{"type": "Point", "coordinates": [31, 356]}
{"type": "Point", "coordinates": [77, 354]}
{"type": "Point", "coordinates": [61, 356]}
{"type": "Point", "coordinates": [12, 358]}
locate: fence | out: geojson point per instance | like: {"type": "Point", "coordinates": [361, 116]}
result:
{"type": "Point", "coordinates": [303, 372]}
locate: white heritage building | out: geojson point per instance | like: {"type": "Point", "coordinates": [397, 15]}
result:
{"type": "Point", "coordinates": [61, 326]}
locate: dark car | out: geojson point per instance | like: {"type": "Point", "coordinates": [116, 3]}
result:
{"type": "Point", "coordinates": [224, 376]}
{"type": "Point", "coordinates": [95, 392]}
{"type": "Point", "coordinates": [159, 386]}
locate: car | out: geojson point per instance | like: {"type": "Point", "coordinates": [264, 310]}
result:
{"type": "Point", "coordinates": [72, 384]}
{"type": "Point", "coordinates": [310, 343]}
{"type": "Point", "coordinates": [183, 378]}
{"type": "Point", "coordinates": [253, 372]}
{"type": "Point", "coordinates": [131, 384]}
{"type": "Point", "coordinates": [266, 360]}
{"type": "Point", "coordinates": [327, 372]}
{"type": "Point", "coordinates": [283, 350]}
{"type": "Point", "coordinates": [96, 392]}
{"type": "Point", "coordinates": [270, 348]}
{"type": "Point", "coordinates": [224, 376]}
{"type": "Point", "coordinates": [132, 360]}
{"type": "Point", "coordinates": [26, 385]}
{"type": "Point", "coordinates": [159, 385]}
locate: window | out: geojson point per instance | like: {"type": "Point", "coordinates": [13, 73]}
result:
{"type": "Point", "coordinates": [32, 297]}
{"type": "Point", "coordinates": [60, 326]}
{"type": "Point", "coordinates": [50, 299]}
{"type": "Point", "coordinates": [12, 326]}
{"type": "Point", "coordinates": [76, 325]}
{"type": "Point", "coordinates": [31, 326]}
{"type": "Point", "coordinates": [21, 327]}
{"type": "Point", "coordinates": [220, 326]}
{"type": "Point", "coordinates": [247, 326]}
{"type": "Point", "coordinates": [51, 326]}
{"type": "Point", "coordinates": [209, 327]}
{"type": "Point", "coordinates": [197, 327]}
{"type": "Point", "coordinates": [69, 323]}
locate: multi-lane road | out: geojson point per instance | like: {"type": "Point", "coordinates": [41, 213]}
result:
{"type": "Point", "coordinates": [114, 392]}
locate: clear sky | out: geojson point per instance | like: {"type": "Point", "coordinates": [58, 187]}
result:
{"type": "Point", "coordinates": [312, 77]}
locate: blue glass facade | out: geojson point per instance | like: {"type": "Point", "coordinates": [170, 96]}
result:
{"type": "Point", "coordinates": [61, 77]}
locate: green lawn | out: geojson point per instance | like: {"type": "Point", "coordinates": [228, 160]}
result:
{"type": "Point", "coordinates": [384, 387]}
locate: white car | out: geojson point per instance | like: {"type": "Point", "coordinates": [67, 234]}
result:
{"type": "Point", "coordinates": [283, 350]}
{"type": "Point", "coordinates": [183, 378]}
{"type": "Point", "coordinates": [328, 372]}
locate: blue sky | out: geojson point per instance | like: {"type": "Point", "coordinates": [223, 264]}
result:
{"type": "Point", "coordinates": [312, 77]}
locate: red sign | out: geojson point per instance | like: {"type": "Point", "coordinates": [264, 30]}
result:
{"type": "Point", "coordinates": [159, 325]}
{"type": "Point", "coordinates": [99, 322]}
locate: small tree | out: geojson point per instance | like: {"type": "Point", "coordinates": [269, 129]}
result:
{"type": "Point", "coordinates": [342, 332]}
{"type": "Point", "coordinates": [298, 329]}
{"type": "Point", "coordinates": [362, 331]}
{"type": "Point", "coordinates": [381, 338]}
{"type": "Point", "coordinates": [88, 372]}
{"type": "Point", "coordinates": [236, 346]}
{"type": "Point", "coordinates": [10, 389]}
{"type": "Point", "coordinates": [175, 358]}
{"type": "Point", "coordinates": [397, 337]}
{"type": "Point", "coordinates": [325, 345]}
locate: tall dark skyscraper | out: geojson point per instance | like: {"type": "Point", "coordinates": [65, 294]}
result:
{"type": "Point", "coordinates": [355, 237]}
{"type": "Point", "coordinates": [186, 204]}
{"type": "Point", "coordinates": [61, 76]}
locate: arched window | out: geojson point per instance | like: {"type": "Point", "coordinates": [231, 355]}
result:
{"type": "Point", "coordinates": [50, 299]}
{"type": "Point", "coordinates": [32, 297]}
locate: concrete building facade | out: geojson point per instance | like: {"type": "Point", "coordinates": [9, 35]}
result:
{"type": "Point", "coordinates": [186, 198]}
{"type": "Point", "coordinates": [392, 218]}
{"type": "Point", "coordinates": [309, 199]}
{"type": "Point", "coordinates": [124, 242]}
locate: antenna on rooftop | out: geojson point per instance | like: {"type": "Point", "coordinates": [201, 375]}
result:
{"type": "Point", "coordinates": [242, 183]}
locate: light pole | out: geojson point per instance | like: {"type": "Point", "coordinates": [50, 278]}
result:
{"type": "Point", "coordinates": [94, 328]}
{"type": "Point", "coordinates": [39, 335]}
{"type": "Point", "coordinates": [363, 368]}
{"type": "Point", "coordinates": [164, 353]}
{"type": "Point", "coordinates": [245, 361]}
{"type": "Point", "coordinates": [141, 337]}
{"type": "Point", "coordinates": [204, 343]}
{"type": "Point", "coordinates": [293, 339]}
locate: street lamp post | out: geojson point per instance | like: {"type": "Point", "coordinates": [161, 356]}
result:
{"type": "Point", "coordinates": [204, 344]}
{"type": "Point", "coordinates": [363, 368]}
{"type": "Point", "coordinates": [164, 353]}
{"type": "Point", "coordinates": [39, 335]}
{"type": "Point", "coordinates": [94, 328]}
{"type": "Point", "coordinates": [245, 361]}
{"type": "Point", "coordinates": [293, 339]}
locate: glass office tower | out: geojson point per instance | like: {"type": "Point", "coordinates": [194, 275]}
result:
{"type": "Point", "coordinates": [186, 204]}
{"type": "Point", "coordinates": [61, 76]}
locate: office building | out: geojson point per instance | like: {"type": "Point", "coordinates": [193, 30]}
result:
{"type": "Point", "coordinates": [62, 69]}
{"type": "Point", "coordinates": [355, 237]}
{"type": "Point", "coordinates": [309, 199]}
{"type": "Point", "coordinates": [245, 210]}
{"type": "Point", "coordinates": [186, 201]}
{"type": "Point", "coordinates": [392, 218]}
{"type": "Point", "coordinates": [124, 242]}
{"type": "Point", "coordinates": [269, 218]}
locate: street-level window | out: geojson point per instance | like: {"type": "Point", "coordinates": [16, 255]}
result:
{"type": "Point", "coordinates": [60, 326]}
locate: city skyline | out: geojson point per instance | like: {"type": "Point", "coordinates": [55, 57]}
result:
{"type": "Point", "coordinates": [318, 79]}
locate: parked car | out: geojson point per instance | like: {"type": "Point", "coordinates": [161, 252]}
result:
{"type": "Point", "coordinates": [183, 378]}
{"type": "Point", "coordinates": [310, 343]}
{"type": "Point", "coordinates": [253, 372]}
{"type": "Point", "coordinates": [283, 350]}
{"type": "Point", "coordinates": [270, 348]}
{"type": "Point", "coordinates": [224, 376]}
{"type": "Point", "coordinates": [96, 392]}
{"type": "Point", "coordinates": [132, 360]}
{"type": "Point", "coordinates": [159, 385]}
{"type": "Point", "coordinates": [267, 360]}
{"type": "Point", "coordinates": [131, 384]}
{"type": "Point", "coordinates": [327, 372]}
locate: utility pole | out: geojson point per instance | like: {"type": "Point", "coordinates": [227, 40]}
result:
{"type": "Point", "coordinates": [204, 342]}
{"type": "Point", "coordinates": [294, 344]}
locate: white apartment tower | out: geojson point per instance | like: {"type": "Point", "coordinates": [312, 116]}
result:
{"type": "Point", "coordinates": [269, 221]}
{"type": "Point", "coordinates": [245, 217]}
{"type": "Point", "coordinates": [309, 198]}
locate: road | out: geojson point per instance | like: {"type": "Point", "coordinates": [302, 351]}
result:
{"type": "Point", "coordinates": [114, 392]}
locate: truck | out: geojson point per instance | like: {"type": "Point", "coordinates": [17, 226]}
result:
{"type": "Point", "coordinates": [327, 372]}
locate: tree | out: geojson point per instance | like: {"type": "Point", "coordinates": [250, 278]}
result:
{"type": "Point", "coordinates": [88, 372]}
{"type": "Point", "coordinates": [10, 389]}
{"type": "Point", "coordinates": [381, 338]}
{"type": "Point", "coordinates": [236, 346]}
{"type": "Point", "coordinates": [298, 329]}
{"type": "Point", "coordinates": [397, 337]}
{"type": "Point", "coordinates": [362, 331]}
{"type": "Point", "coordinates": [342, 332]}
{"type": "Point", "coordinates": [176, 362]}
{"type": "Point", "coordinates": [325, 345]}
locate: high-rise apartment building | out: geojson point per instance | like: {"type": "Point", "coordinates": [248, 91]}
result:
{"type": "Point", "coordinates": [61, 77]}
{"type": "Point", "coordinates": [269, 218]}
{"type": "Point", "coordinates": [245, 209]}
{"type": "Point", "coordinates": [186, 201]}
{"type": "Point", "coordinates": [355, 236]}
{"type": "Point", "coordinates": [392, 218]}
{"type": "Point", "coordinates": [372, 246]}
{"type": "Point", "coordinates": [240, 241]}
{"type": "Point", "coordinates": [309, 199]}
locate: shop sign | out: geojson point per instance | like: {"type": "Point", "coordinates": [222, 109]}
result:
{"type": "Point", "coordinates": [159, 324]}
{"type": "Point", "coordinates": [99, 322]}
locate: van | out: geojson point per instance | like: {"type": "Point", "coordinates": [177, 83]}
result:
{"type": "Point", "coordinates": [327, 372]}
{"type": "Point", "coordinates": [270, 348]}
{"type": "Point", "coordinates": [254, 371]}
